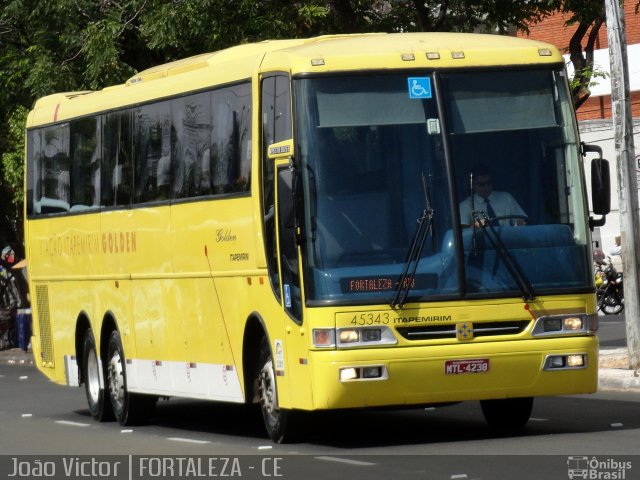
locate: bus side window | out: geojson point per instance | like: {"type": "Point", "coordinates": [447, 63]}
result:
{"type": "Point", "coordinates": [230, 159]}
{"type": "Point", "coordinates": [152, 150]}
{"type": "Point", "coordinates": [54, 193]}
{"type": "Point", "coordinates": [191, 129]}
{"type": "Point", "coordinates": [116, 177]}
{"type": "Point", "coordinates": [33, 168]}
{"type": "Point", "coordinates": [85, 158]}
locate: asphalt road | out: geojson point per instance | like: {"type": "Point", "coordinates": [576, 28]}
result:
{"type": "Point", "coordinates": [40, 418]}
{"type": "Point", "coordinates": [612, 331]}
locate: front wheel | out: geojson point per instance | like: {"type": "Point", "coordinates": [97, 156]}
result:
{"type": "Point", "coordinates": [508, 412]}
{"type": "Point", "coordinates": [283, 426]}
{"type": "Point", "coordinates": [611, 303]}
{"type": "Point", "coordinates": [129, 408]}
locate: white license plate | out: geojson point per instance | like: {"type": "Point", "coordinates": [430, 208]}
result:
{"type": "Point", "coordinates": [476, 365]}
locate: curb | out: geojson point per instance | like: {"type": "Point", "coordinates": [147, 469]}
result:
{"type": "Point", "coordinates": [614, 374]}
{"type": "Point", "coordinates": [618, 379]}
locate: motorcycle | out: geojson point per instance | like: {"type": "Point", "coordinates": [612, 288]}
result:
{"type": "Point", "coordinates": [610, 292]}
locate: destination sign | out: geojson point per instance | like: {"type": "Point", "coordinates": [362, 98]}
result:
{"type": "Point", "coordinates": [386, 283]}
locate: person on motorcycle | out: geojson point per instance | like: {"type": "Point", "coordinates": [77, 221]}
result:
{"type": "Point", "coordinates": [598, 256]}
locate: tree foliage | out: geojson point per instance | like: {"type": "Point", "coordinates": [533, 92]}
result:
{"type": "Point", "coordinates": [67, 45]}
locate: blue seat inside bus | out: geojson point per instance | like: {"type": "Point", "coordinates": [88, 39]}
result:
{"type": "Point", "coordinates": [547, 254]}
{"type": "Point", "coordinates": [347, 231]}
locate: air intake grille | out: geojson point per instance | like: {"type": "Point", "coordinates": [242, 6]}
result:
{"type": "Point", "coordinates": [448, 331]}
{"type": "Point", "coordinates": [44, 322]}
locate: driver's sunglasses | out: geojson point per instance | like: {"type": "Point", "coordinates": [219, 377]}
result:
{"type": "Point", "coordinates": [484, 184]}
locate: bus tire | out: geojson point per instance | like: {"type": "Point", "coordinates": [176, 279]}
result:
{"type": "Point", "coordinates": [282, 425]}
{"type": "Point", "coordinates": [99, 405]}
{"type": "Point", "coordinates": [128, 408]}
{"type": "Point", "coordinates": [507, 412]}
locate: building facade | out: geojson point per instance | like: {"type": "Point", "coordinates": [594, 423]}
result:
{"type": "Point", "coordinates": [594, 116]}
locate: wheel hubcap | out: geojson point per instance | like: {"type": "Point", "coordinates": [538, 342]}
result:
{"type": "Point", "coordinates": [116, 381]}
{"type": "Point", "coordinates": [93, 377]}
{"type": "Point", "coordinates": [267, 387]}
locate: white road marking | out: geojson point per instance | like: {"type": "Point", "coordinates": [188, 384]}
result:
{"type": "Point", "coordinates": [188, 440]}
{"type": "Point", "coordinates": [345, 460]}
{"type": "Point", "coordinates": [72, 424]}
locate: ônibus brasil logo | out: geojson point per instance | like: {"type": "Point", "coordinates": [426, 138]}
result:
{"type": "Point", "coordinates": [593, 468]}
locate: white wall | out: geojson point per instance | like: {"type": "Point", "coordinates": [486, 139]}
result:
{"type": "Point", "coordinates": [600, 132]}
{"type": "Point", "coordinates": [601, 85]}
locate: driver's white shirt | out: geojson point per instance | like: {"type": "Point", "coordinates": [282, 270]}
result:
{"type": "Point", "coordinates": [503, 205]}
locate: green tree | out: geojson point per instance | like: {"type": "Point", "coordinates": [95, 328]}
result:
{"type": "Point", "coordinates": [587, 16]}
{"type": "Point", "coordinates": [68, 45]}
{"type": "Point", "coordinates": [13, 169]}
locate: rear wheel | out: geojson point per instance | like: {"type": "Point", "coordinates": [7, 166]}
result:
{"type": "Point", "coordinates": [508, 412]}
{"type": "Point", "coordinates": [99, 405]}
{"type": "Point", "coordinates": [129, 408]}
{"type": "Point", "coordinates": [283, 426]}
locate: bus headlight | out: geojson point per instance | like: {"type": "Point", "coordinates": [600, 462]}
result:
{"type": "Point", "coordinates": [365, 336]}
{"type": "Point", "coordinates": [353, 337]}
{"type": "Point", "coordinates": [565, 325]}
{"type": "Point", "coordinates": [349, 336]}
{"type": "Point", "coordinates": [357, 335]}
{"type": "Point", "coordinates": [573, 323]}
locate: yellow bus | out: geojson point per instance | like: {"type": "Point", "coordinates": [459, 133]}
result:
{"type": "Point", "coordinates": [290, 224]}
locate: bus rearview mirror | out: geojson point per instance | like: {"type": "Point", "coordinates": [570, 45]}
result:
{"type": "Point", "coordinates": [600, 186]}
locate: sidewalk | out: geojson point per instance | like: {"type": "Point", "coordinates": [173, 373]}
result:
{"type": "Point", "coordinates": [16, 356]}
{"type": "Point", "coordinates": [614, 374]}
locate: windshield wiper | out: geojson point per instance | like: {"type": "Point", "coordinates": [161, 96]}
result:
{"type": "Point", "coordinates": [481, 220]}
{"type": "Point", "coordinates": [424, 226]}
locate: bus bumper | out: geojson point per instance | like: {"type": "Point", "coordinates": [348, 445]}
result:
{"type": "Point", "coordinates": [450, 373]}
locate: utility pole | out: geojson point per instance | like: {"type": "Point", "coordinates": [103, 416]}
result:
{"type": "Point", "coordinates": [627, 181]}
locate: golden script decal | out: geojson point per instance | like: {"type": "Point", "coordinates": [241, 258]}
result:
{"type": "Point", "coordinates": [76, 244]}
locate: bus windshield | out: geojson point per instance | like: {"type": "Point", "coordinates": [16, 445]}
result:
{"type": "Point", "coordinates": [381, 153]}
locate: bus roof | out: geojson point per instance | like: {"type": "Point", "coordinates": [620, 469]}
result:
{"type": "Point", "coordinates": [371, 51]}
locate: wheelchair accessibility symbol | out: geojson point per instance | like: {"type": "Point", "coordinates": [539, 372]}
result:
{"type": "Point", "coordinates": [419, 87]}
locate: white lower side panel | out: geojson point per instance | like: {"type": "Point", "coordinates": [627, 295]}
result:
{"type": "Point", "coordinates": [185, 379]}
{"type": "Point", "coordinates": [71, 370]}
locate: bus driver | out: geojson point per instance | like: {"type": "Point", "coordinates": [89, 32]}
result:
{"type": "Point", "coordinates": [500, 208]}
